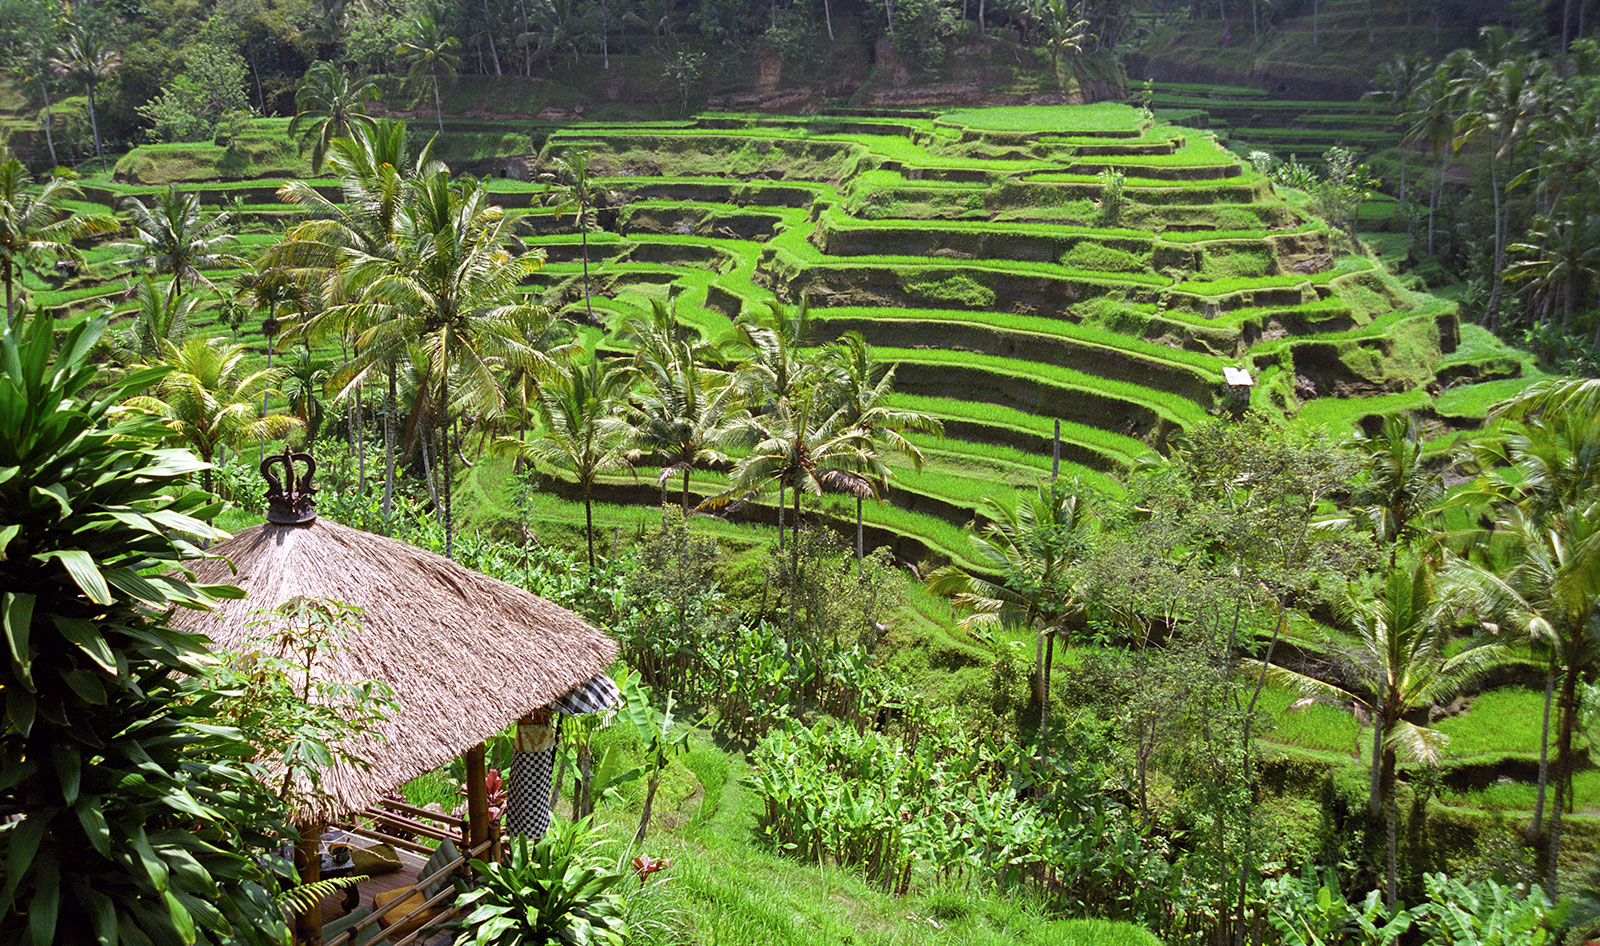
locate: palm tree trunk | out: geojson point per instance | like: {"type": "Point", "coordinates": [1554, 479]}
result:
{"type": "Point", "coordinates": [1375, 783]}
{"type": "Point", "coordinates": [444, 459]}
{"type": "Point", "coordinates": [860, 550]}
{"type": "Point", "coordinates": [1492, 310]}
{"type": "Point", "coordinates": [1433, 195]}
{"type": "Point", "coordinates": [780, 516]}
{"type": "Point", "coordinates": [11, 304]}
{"type": "Point", "coordinates": [827, 16]}
{"type": "Point", "coordinates": [438, 109]}
{"type": "Point", "coordinates": [94, 124]}
{"type": "Point", "coordinates": [1390, 816]}
{"type": "Point", "coordinates": [1537, 827]}
{"type": "Point", "coordinates": [1568, 713]}
{"type": "Point", "coordinates": [686, 492]}
{"type": "Point", "coordinates": [588, 526]}
{"type": "Point", "coordinates": [583, 235]}
{"type": "Point", "coordinates": [49, 136]}
{"type": "Point", "coordinates": [388, 447]}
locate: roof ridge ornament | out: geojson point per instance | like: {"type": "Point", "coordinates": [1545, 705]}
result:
{"type": "Point", "coordinates": [290, 501]}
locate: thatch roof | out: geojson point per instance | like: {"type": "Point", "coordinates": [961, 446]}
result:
{"type": "Point", "coordinates": [466, 654]}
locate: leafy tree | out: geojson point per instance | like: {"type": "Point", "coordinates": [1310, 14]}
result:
{"type": "Point", "coordinates": [36, 225]}
{"type": "Point", "coordinates": [655, 731]}
{"type": "Point", "coordinates": [87, 59]}
{"type": "Point", "coordinates": [207, 400]}
{"type": "Point", "coordinates": [127, 817]}
{"type": "Point", "coordinates": [172, 235]}
{"type": "Point", "coordinates": [330, 104]}
{"type": "Point", "coordinates": [1399, 82]}
{"type": "Point", "coordinates": [210, 88]}
{"type": "Point", "coordinates": [431, 54]}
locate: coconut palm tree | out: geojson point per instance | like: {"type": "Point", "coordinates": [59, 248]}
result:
{"type": "Point", "coordinates": [87, 60]}
{"type": "Point", "coordinates": [1031, 544]}
{"type": "Point", "coordinates": [1550, 595]}
{"type": "Point", "coordinates": [431, 54]}
{"type": "Point", "coordinates": [36, 226]}
{"type": "Point", "coordinates": [1398, 82]}
{"type": "Point", "coordinates": [1560, 263]}
{"type": "Point", "coordinates": [584, 431]}
{"type": "Point", "coordinates": [571, 190]}
{"type": "Point", "coordinates": [330, 103]}
{"type": "Point", "coordinates": [172, 235]}
{"type": "Point", "coordinates": [683, 411]}
{"type": "Point", "coordinates": [800, 449]}
{"type": "Point", "coordinates": [1501, 91]}
{"type": "Point", "coordinates": [450, 282]}
{"type": "Point", "coordinates": [1399, 666]}
{"type": "Point", "coordinates": [860, 389]}
{"type": "Point", "coordinates": [1399, 490]}
{"type": "Point", "coordinates": [159, 318]}
{"type": "Point", "coordinates": [773, 367]}
{"type": "Point", "coordinates": [208, 399]}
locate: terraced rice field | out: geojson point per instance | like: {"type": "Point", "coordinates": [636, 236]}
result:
{"type": "Point", "coordinates": [978, 251]}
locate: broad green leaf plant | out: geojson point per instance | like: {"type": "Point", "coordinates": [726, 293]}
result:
{"type": "Point", "coordinates": [125, 813]}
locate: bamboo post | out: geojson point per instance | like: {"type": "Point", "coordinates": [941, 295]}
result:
{"type": "Point", "coordinates": [477, 797]}
{"type": "Point", "coordinates": [308, 860]}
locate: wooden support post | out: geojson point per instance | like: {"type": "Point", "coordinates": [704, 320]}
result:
{"type": "Point", "coordinates": [308, 861]}
{"type": "Point", "coordinates": [477, 796]}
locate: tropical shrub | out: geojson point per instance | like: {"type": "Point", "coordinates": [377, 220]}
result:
{"type": "Point", "coordinates": [977, 810]}
{"type": "Point", "coordinates": [559, 889]}
{"type": "Point", "coordinates": [123, 815]}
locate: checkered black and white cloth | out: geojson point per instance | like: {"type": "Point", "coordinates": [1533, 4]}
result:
{"type": "Point", "coordinates": [528, 794]}
{"type": "Point", "coordinates": [593, 695]}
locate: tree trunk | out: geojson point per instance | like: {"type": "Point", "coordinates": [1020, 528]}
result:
{"type": "Point", "coordinates": [685, 492]}
{"type": "Point", "coordinates": [388, 448]}
{"type": "Point", "coordinates": [444, 459]}
{"type": "Point", "coordinates": [1375, 781]}
{"type": "Point", "coordinates": [438, 108]}
{"type": "Point", "coordinates": [1433, 195]}
{"type": "Point", "coordinates": [11, 303]}
{"type": "Point", "coordinates": [588, 527]}
{"type": "Point", "coordinates": [1315, 10]}
{"type": "Point", "coordinates": [94, 124]}
{"type": "Point", "coordinates": [888, 16]}
{"type": "Point", "coordinates": [649, 803]}
{"type": "Point", "coordinates": [49, 135]}
{"type": "Point", "coordinates": [1390, 816]}
{"type": "Point", "coordinates": [1536, 828]}
{"type": "Point", "coordinates": [1568, 713]}
{"type": "Point", "coordinates": [488, 31]}
{"type": "Point", "coordinates": [780, 516]}
{"type": "Point", "coordinates": [583, 233]}
{"type": "Point", "coordinates": [860, 544]}
{"type": "Point", "coordinates": [827, 16]}
{"type": "Point", "coordinates": [1492, 309]}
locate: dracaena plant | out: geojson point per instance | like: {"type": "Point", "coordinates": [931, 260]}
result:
{"type": "Point", "coordinates": [124, 814]}
{"type": "Point", "coordinates": [558, 889]}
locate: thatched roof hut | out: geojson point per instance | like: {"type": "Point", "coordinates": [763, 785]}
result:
{"type": "Point", "coordinates": [465, 654]}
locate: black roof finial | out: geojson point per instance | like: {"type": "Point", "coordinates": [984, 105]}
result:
{"type": "Point", "coordinates": [290, 501]}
